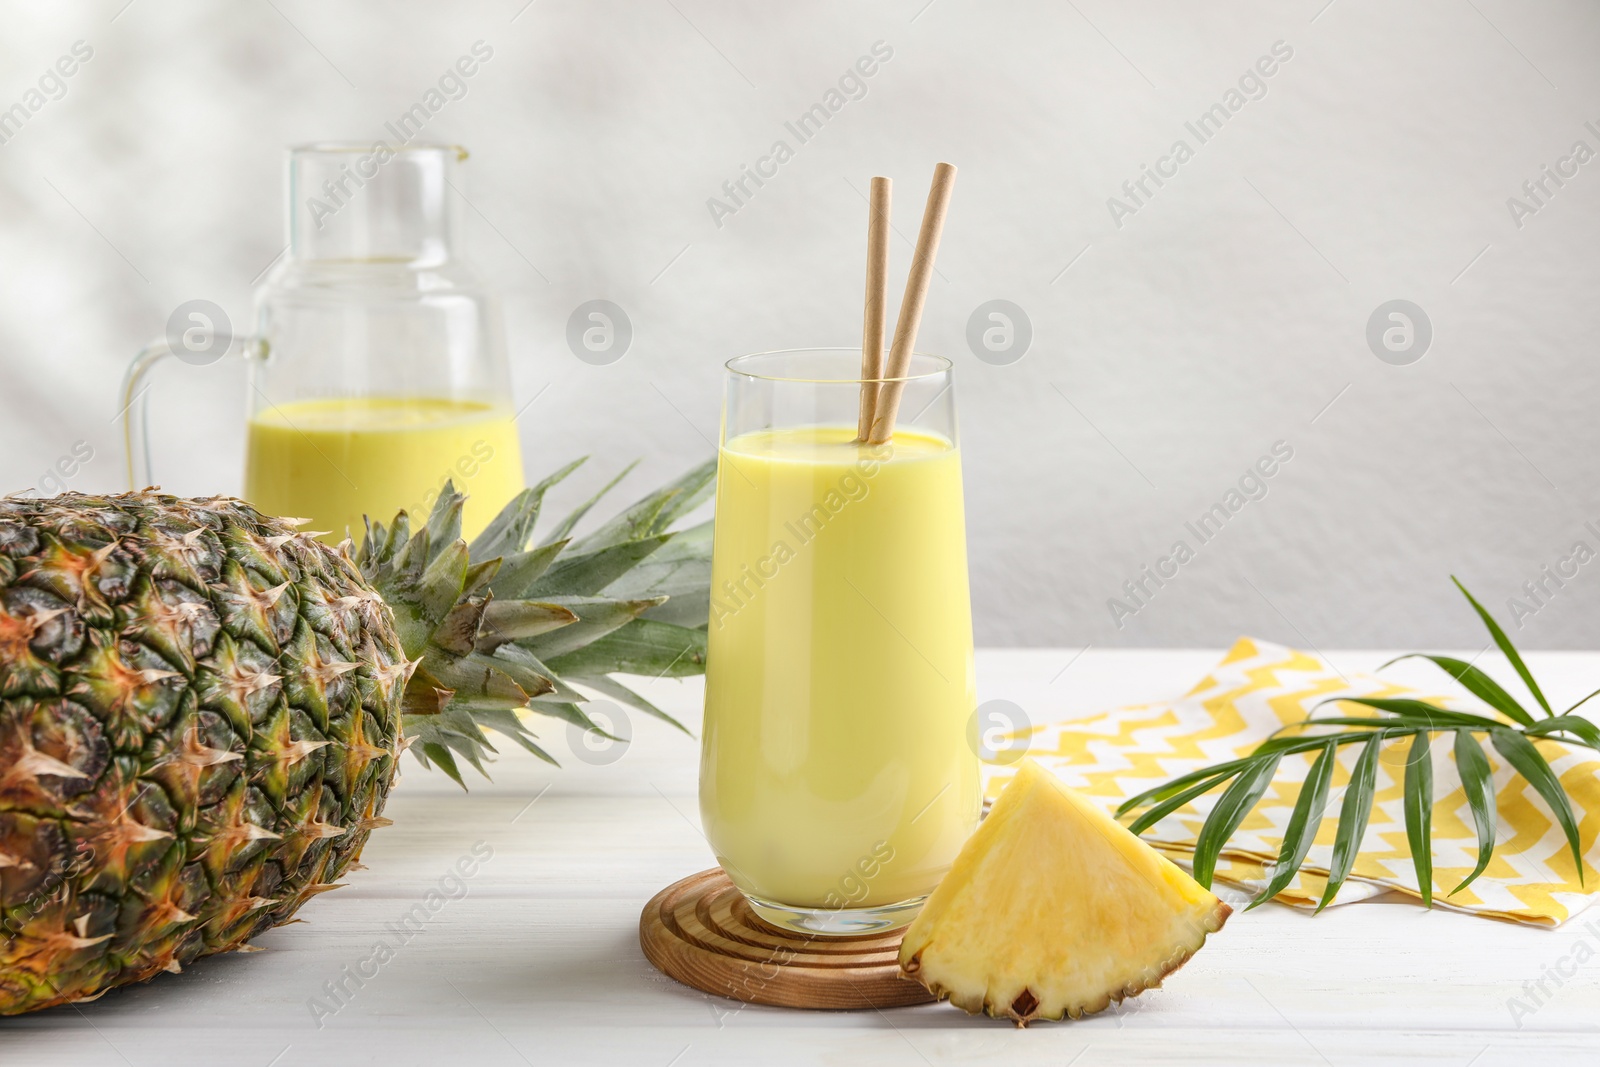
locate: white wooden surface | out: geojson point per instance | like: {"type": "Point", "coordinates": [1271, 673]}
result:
{"type": "Point", "coordinates": [538, 962]}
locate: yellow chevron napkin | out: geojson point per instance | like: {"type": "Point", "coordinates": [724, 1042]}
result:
{"type": "Point", "coordinates": [1259, 687]}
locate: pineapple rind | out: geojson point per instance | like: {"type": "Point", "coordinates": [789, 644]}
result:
{"type": "Point", "coordinates": [1053, 910]}
{"type": "Point", "coordinates": [199, 723]}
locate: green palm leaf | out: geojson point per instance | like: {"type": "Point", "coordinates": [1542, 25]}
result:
{"type": "Point", "coordinates": [1522, 755]}
{"type": "Point", "coordinates": [1420, 712]}
{"type": "Point", "coordinates": [1303, 824]}
{"type": "Point", "coordinates": [1475, 682]}
{"type": "Point", "coordinates": [1174, 802]}
{"type": "Point", "coordinates": [1234, 804]}
{"type": "Point", "coordinates": [1248, 778]}
{"type": "Point", "coordinates": [1178, 784]}
{"type": "Point", "coordinates": [1419, 813]}
{"type": "Point", "coordinates": [1588, 734]}
{"type": "Point", "coordinates": [1506, 646]}
{"type": "Point", "coordinates": [1477, 780]}
{"type": "Point", "coordinates": [1354, 814]}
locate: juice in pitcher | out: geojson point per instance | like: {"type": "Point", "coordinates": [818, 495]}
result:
{"type": "Point", "coordinates": [838, 777]}
{"type": "Point", "coordinates": [334, 460]}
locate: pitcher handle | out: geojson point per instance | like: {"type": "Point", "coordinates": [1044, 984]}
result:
{"type": "Point", "coordinates": [136, 412]}
{"type": "Point", "coordinates": [198, 333]}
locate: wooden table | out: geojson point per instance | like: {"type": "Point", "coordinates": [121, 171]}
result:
{"type": "Point", "coordinates": [534, 958]}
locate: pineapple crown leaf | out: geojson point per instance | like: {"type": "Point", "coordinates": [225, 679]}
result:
{"type": "Point", "coordinates": [444, 522]}
{"type": "Point", "coordinates": [565, 526]}
{"type": "Point", "coordinates": [610, 687]}
{"type": "Point", "coordinates": [512, 529]}
{"type": "Point", "coordinates": [590, 618]}
{"type": "Point", "coordinates": [519, 570]}
{"type": "Point", "coordinates": [500, 622]}
{"type": "Point", "coordinates": [654, 513]}
{"type": "Point", "coordinates": [497, 624]}
{"type": "Point", "coordinates": [1513, 736]}
{"type": "Point", "coordinates": [586, 573]}
{"type": "Point", "coordinates": [443, 583]}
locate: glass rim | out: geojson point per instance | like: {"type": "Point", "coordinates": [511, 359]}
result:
{"type": "Point", "coordinates": [336, 147]}
{"type": "Point", "coordinates": [942, 366]}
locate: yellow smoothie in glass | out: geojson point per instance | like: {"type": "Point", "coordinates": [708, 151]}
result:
{"type": "Point", "coordinates": [836, 769]}
{"type": "Point", "coordinates": [334, 460]}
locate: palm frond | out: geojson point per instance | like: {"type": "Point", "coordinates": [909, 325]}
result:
{"type": "Point", "coordinates": [1513, 734]}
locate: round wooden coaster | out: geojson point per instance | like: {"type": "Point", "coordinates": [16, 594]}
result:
{"type": "Point", "coordinates": [702, 932]}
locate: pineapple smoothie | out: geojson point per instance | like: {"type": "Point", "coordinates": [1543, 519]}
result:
{"type": "Point", "coordinates": [334, 460]}
{"type": "Point", "coordinates": [836, 770]}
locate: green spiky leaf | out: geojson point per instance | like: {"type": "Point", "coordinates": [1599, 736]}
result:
{"type": "Point", "coordinates": [655, 512]}
{"type": "Point", "coordinates": [680, 570]}
{"type": "Point", "coordinates": [496, 624]}
{"type": "Point", "coordinates": [566, 525]}
{"type": "Point", "coordinates": [586, 573]}
{"type": "Point", "coordinates": [504, 621]}
{"type": "Point", "coordinates": [594, 617]}
{"type": "Point", "coordinates": [510, 531]}
{"type": "Point", "coordinates": [520, 570]}
{"type": "Point", "coordinates": [614, 689]}
{"type": "Point", "coordinates": [1582, 730]}
{"type": "Point", "coordinates": [644, 647]}
{"type": "Point", "coordinates": [1175, 801]}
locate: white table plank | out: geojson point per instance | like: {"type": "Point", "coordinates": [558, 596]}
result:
{"type": "Point", "coordinates": [538, 962]}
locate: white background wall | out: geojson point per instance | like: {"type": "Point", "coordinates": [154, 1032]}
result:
{"type": "Point", "coordinates": [1227, 314]}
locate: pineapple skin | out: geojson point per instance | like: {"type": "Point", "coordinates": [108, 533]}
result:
{"type": "Point", "coordinates": [200, 720]}
{"type": "Point", "coordinates": [1007, 930]}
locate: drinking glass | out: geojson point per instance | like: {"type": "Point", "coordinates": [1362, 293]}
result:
{"type": "Point", "coordinates": [377, 368]}
{"type": "Point", "coordinates": [838, 778]}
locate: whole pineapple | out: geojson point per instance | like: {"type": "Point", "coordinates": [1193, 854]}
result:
{"type": "Point", "coordinates": [199, 722]}
{"type": "Point", "coordinates": [201, 709]}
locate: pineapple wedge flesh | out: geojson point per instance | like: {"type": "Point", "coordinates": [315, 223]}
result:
{"type": "Point", "coordinates": [1053, 909]}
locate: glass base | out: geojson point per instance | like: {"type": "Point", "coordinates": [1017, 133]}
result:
{"type": "Point", "coordinates": [837, 922]}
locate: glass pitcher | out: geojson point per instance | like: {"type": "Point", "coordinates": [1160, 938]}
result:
{"type": "Point", "coordinates": [377, 370]}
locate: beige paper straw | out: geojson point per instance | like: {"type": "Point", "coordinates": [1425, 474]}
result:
{"type": "Point", "coordinates": [876, 303]}
{"type": "Point", "coordinates": [916, 295]}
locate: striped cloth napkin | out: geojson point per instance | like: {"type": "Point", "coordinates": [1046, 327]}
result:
{"type": "Point", "coordinates": [1259, 687]}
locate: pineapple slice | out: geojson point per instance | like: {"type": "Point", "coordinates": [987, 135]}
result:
{"type": "Point", "coordinates": [1053, 909]}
